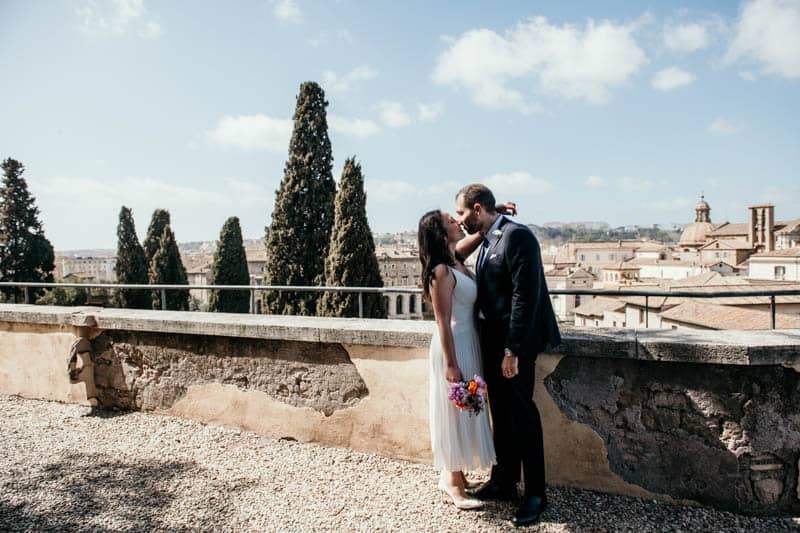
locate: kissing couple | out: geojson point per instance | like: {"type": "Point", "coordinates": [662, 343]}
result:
{"type": "Point", "coordinates": [490, 322]}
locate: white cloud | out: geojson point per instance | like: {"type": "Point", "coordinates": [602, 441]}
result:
{"type": "Point", "coordinates": [390, 190]}
{"type": "Point", "coordinates": [333, 82]}
{"type": "Point", "coordinates": [595, 182]}
{"type": "Point", "coordinates": [671, 78]}
{"type": "Point", "coordinates": [252, 132]}
{"type": "Point", "coordinates": [429, 112]}
{"type": "Point", "coordinates": [287, 11]}
{"type": "Point", "coordinates": [352, 126]}
{"type": "Point", "coordinates": [393, 114]}
{"type": "Point", "coordinates": [99, 206]}
{"type": "Point", "coordinates": [630, 183]}
{"type": "Point", "coordinates": [151, 30]}
{"type": "Point", "coordinates": [516, 184]}
{"type": "Point", "coordinates": [747, 75]}
{"type": "Point", "coordinates": [723, 127]}
{"type": "Point", "coordinates": [686, 37]}
{"type": "Point", "coordinates": [560, 61]}
{"type": "Point", "coordinates": [117, 18]}
{"type": "Point", "coordinates": [767, 33]}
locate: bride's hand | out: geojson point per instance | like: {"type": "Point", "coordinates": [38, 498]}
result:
{"type": "Point", "coordinates": [453, 374]}
{"type": "Point", "coordinates": [508, 208]}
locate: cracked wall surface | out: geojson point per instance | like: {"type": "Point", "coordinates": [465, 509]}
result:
{"type": "Point", "coordinates": [150, 371]}
{"type": "Point", "coordinates": [721, 435]}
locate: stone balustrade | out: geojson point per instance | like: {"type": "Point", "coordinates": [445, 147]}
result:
{"type": "Point", "coordinates": [694, 416]}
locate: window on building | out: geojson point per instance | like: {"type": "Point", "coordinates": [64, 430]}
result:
{"type": "Point", "coordinates": [583, 257]}
{"type": "Point", "coordinates": [577, 300]}
{"type": "Point", "coordinates": [412, 305]}
{"type": "Point", "coordinates": [399, 305]}
{"type": "Point", "coordinates": [597, 257]}
{"type": "Point", "coordinates": [780, 272]}
{"type": "Point", "coordinates": [641, 315]}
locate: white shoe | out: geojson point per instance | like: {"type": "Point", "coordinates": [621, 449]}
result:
{"type": "Point", "coordinates": [465, 504]}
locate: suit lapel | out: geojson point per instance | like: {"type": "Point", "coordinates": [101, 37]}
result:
{"type": "Point", "coordinates": [488, 252]}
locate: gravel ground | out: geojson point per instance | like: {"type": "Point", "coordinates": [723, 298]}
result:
{"type": "Point", "coordinates": [65, 468]}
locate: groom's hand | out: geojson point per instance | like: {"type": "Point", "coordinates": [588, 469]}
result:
{"type": "Point", "coordinates": [510, 366]}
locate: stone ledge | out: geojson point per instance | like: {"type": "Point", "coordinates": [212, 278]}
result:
{"type": "Point", "coordinates": [765, 347]}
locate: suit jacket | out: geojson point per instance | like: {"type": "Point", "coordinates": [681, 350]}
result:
{"type": "Point", "coordinates": [512, 292]}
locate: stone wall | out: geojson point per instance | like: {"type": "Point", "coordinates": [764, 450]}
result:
{"type": "Point", "coordinates": [708, 417]}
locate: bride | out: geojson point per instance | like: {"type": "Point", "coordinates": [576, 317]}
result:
{"type": "Point", "coordinates": [460, 442]}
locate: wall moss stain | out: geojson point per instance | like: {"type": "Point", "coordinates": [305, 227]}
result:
{"type": "Point", "coordinates": [152, 371]}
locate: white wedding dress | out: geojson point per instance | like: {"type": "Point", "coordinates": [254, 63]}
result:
{"type": "Point", "coordinates": [460, 441]}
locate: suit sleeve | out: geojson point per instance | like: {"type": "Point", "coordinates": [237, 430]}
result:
{"type": "Point", "coordinates": [524, 261]}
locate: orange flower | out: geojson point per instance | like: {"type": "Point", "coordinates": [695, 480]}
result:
{"type": "Point", "coordinates": [472, 387]}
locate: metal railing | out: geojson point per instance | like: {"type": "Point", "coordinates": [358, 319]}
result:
{"type": "Point", "coordinates": [771, 294]}
{"type": "Point", "coordinates": [26, 286]}
{"type": "Point", "coordinates": [683, 294]}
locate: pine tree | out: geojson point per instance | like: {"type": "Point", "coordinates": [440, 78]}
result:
{"type": "Point", "coordinates": [166, 268]}
{"type": "Point", "coordinates": [131, 264]}
{"type": "Point", "coordinates": [297, 240]}
{"type": "Point", "coordinates": [159, 220]}
{"type": "Point", "coordinates": [25, 252]}
{"type": "Point", "coordinates": [351, 261]}
{"type": "Point", "coordinates": [230, 268]}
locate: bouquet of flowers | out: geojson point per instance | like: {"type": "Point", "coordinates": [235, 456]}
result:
{"type": "Point", "coordinates": [469, 395]}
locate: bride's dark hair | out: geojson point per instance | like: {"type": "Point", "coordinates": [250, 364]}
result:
{"type": "Point", "coordinates": [433, 250]}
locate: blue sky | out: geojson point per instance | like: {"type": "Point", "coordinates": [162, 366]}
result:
{"type": "Point", "coordinates": [613, 111]}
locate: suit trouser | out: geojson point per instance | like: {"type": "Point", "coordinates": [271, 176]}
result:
{"type": "Point", "coordinates": [515, 419]}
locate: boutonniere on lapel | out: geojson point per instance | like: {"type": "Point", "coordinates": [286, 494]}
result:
{"type": "Point", "coordinates": [497, 233]}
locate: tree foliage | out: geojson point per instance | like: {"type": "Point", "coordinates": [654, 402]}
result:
{"type": "Point", "coordinates": [230, 268]}
{"type": "Point", "coordinates": [152, 240]}
{"type": "Point", "coordinates": [131, 265]}
{"type": "Point", "coordinates": [298, 237]}
{"type": "Point", "coordinates": [351, 261]}
{"type": "Point", "coordinates": [25, 252]}
{"type": "Point", "coordinates": [166, 268]}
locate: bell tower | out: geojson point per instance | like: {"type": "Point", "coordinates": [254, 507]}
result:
{"type": "Point", "coordinates": [761, 227]}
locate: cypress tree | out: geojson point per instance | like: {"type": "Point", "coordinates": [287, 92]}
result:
{"type": "Point", "coordinates": [351, 261]}
{"type": "Point", "coordinates": [159, 220]}
{"type": "Point", "coordinates": [166, 268]}
{"type": "Point", "coordinates": [297, 240]}
{"type": "Point", "coordinates": [230, 268]}
{"type": "Point", "coordinates": [25, 252]}
{"type": "Point", "coordinates": [131, 264]}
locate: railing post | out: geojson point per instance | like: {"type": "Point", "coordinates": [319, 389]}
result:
{"type": "Point", "coordinates": [772, 309]}
{"type": "Point", "coordinates": [27, 295]}
{"type": "Point", "coordinates": [646, 312]}
{"type": "Point", "coordinates": [360, 305]}
{"type": "Point", "coordinates": [252, 302]}
{"type": "Point", "coordinates": [163, 299]}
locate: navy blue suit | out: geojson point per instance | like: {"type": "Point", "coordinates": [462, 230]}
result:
{"type": "Point", "coordinates": [516, 314]}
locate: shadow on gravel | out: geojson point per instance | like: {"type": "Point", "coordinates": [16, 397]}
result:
{"type": "Point", "coordinates": [104, 412]}
{"type": "Point", "coordinates": [101, 493]}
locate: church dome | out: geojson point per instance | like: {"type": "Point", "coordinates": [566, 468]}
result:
{"type": "Point", "coordinates": [695, 234]}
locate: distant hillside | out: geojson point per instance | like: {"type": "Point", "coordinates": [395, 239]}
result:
{"type": "Point", "coordinates": [553, 234]}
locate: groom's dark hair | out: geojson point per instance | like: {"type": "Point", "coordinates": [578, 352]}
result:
{"type": "Point", "coordinates": [478, 193]}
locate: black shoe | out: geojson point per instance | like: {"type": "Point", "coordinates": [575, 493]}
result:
{"type": "Point", "coordinates": [530, 511]}
{"type": "Point", "coordinates": [493, 490]}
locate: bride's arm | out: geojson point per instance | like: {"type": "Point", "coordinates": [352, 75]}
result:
{"type": "Point", "coordinates": [469, 244]}
{"type": "Point", "coordinates": [442, 286]}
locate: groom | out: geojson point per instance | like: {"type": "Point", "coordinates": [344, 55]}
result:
{"type": "Point", "coordinates": [516, 323]}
